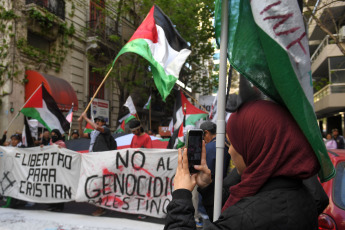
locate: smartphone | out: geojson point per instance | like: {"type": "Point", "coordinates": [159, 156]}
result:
{"type": "Point", "coordinates": [194, 146]}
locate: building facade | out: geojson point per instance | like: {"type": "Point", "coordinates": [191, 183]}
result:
{"type": "Point", "coordinates": [328, 62]}
{"type": "Point", "coordinates": [67, 45]}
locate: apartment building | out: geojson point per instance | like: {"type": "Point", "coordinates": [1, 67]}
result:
{"type": "Point", "coordinates": [328, 63]}
{"type": "Point", "coordinates": [61, 43]}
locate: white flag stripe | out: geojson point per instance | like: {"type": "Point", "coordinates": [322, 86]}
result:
{"type": "Point", "coordinates": [46, 115]}
{"type": "Point", "coordinates": [287, 33]}
{"type": "Point", "coordinates": [166, 56]}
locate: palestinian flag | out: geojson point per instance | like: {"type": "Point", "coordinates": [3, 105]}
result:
{"type": "Point", "coordinates": [267, 44]}
{"type": "Point", "coordinates": [148, 103]}
{"type": "Point", "coordinates": [124, 120]}
{"type": "Point", "coordinates": [88, 128]}
{"type": "Point", "coordinates": [157, 40]}
{"type": "Point", "coordinates": [42, 107]}
{"type": "Point", "coordinates": [185, 116]}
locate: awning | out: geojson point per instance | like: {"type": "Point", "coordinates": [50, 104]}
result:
{"type": "Point", "coordinates": [60, 89]}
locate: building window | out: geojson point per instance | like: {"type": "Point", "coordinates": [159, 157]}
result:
{"type": "Point", "coordinates": [97, 18]}
{"type": "Point", "coordinates": [94, 82]}
{"type": "Point", "coordinates": [38, 42]}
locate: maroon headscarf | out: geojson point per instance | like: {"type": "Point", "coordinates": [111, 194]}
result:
{"type": "Point", "coordinates": [271, 144]}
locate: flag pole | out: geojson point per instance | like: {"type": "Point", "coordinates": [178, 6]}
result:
{"type": "Point", "coordinates": [150, 113]}
{"type": "Point", "coordinates": [195, 100]}
{"type": "Point", "coordinates": [99, 87]}
{"type": "Point", "coordinates": [23, 106]}
{"type": "Point", "coordinates": [70, 124]}
{"type": "Point", "coordinates": [220, 136]}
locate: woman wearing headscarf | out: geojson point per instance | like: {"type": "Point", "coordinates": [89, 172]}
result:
{"type": "Point", "coordinates": [272, 157]}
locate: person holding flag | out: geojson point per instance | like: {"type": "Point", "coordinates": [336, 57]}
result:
{"type": "Point", "coordinates": [100, 138]}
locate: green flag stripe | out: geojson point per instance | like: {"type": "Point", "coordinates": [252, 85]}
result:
{"type": "Point", "coordinates": [296, 101]}
{"type": "Point", "coordinates": [31, 112]}
{"type": "Point", "coordinates": [191, 119]}
{"type": "Point", "coordinates": [164, 82]}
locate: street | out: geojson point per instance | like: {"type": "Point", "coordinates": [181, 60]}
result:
{"type": "Point", "coordinates": [75, 216]}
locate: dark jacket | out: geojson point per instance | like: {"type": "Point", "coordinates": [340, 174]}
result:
{"type": "Point", "coordinates": [340, 142]}
{"type": "Point", "coordinates": [280, 204]}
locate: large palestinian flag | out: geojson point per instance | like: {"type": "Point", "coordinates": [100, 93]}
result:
{"type": "Point", "coordinates": [184, 117]}
{"type": "Point", "coordinates": [157, 40]}
{"type": "Point", "coordinates": [268, 44]}
{"type": "Point", "coordinates": [42, 107]}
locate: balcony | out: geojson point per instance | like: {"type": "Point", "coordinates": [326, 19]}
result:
{"type": "Point", "coordinates": [326, 49]}
{"type": "Point", "coordinates": [56, 7]}
{"type": "Point", "coordinates": [330, 99]}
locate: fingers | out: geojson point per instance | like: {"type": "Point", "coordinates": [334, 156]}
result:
{"type": "Point", "coordinates": [179, 159]}
{"type": "Point", "coordinates": [185, 160]}
{"type": "Point", "coordinates": [203, 154]}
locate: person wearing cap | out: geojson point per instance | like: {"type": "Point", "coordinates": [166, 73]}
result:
{"type": "Point", "coordinates": [75, 134]}
{"type": "Point", "coordinates": [16, 140]}
{"type": "Point", "coordinates": [97, 144]}
{"type": "Point", "coordinates": [338, 138]}
{"type": "Point", "coordinates": [140, 138]}
{"type": "Point", "coordinates": [210, 133]}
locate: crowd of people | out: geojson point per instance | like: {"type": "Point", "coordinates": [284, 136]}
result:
{"type": "Point", "coordinates": [268, 174]}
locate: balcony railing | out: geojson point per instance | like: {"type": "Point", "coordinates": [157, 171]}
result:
{"type": "Point", "coordinates": [56, 7]}
{"type": "Point", "coordinates": [326, 41]}
{"type": "Point", "coordinates": [101, 29]}
{"type": "Point", "coordinates": [329, 89]}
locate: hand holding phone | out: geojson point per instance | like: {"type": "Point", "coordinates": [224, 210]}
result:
{"type": "Point", "coordinates": [194, 148]}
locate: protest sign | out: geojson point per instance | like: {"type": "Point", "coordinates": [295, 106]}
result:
{"type": "Point", "coordinates": [128, 180]}
{"type": "Point", "coordinates": [44, 175]}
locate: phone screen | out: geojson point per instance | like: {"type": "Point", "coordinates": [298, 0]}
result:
{"type": "Point", "coordinates": [194, 146]}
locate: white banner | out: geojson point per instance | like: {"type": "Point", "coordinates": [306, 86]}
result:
{"type": "Point", "coordinates": [43, 175]}
{"type": "Point", "coordinates": [129, 180]}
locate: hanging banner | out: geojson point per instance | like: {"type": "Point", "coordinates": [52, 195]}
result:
{"type": "Point", "coordinates": [44, 175]}
{"type": "Point", "coordinates": [129, 180]}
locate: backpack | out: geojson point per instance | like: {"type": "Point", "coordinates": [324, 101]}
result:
{"type": "Point", "coordinates": [112, 145]}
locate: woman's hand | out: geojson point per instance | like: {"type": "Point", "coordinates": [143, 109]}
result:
{"type": "Point", "coordinates": [183, 179]}
{"type": "Point", "coordinates": [203, 178]}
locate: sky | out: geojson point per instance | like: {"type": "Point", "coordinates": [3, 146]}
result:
{"type": "Point", "coordinates": [15, 219]}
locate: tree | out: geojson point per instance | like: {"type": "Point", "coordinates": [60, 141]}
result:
{"type": "Point", "coordinates": [193, 21]}
{"type": "Point", "coordinates": [329, 23]}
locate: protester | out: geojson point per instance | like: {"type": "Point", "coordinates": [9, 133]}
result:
{"type": "Point", "coordinates": [140, 138]}
{"type": "Point", "coordinates": [338, 138]}
{"type": "Point", "coordinates": [57, 139]}
{"type": "Point", "coordinates": [210, 133]}
{"type": "Point", "coordinates": [330, 142]}
{"type": "Point", "coordinates": [45, 140]}
{"type": "Point", "coordinates": [75, 134]}
{"type": "Point", "coordinates": [16, 140]}
{"type": "Point", "coordinates": [100, 141]}
{"type": "Point", "coordinates": [271, 194]}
